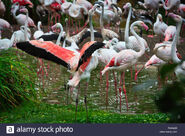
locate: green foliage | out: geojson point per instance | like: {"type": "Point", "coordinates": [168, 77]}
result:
{"type": "Point", "coordinates": [16, 80]}
{"type": "Point", "coordinates": [171, 98]}
{"type": "Point", "coordinates": [45, 113]}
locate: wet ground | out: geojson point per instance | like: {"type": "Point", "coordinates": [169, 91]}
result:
{"type": "Point", "coordinates": [140, 94]}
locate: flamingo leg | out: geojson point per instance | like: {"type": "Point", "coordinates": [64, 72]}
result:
{"type": "Point", "coordinates": [124, 89]}
{"type": "Point", "coordinates": [136, 74]}
{"type": "Point", "coordinates": [120, 90]}
{"type": "Point", "coordinates": [115, 84]}
{"type": "Point", "coordinates": [107, 87]}
{"type": "Point", "coordinates": [67, 92]}
{"type": "Point", "coordinates": [79, 25]}
{"type": "Point", "coordinates": [85, 99]}
{"type": "Point", "coordinates": [76, 106]}
{"type": "Point", "coordinates": [131, 74]}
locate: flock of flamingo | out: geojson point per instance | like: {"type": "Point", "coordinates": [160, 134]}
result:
{"type": "Point", "coordinates": [114, 54]}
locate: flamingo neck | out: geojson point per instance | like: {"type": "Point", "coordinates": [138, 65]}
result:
{"type": "Point", "coordinates": [38, 26]}
{"type": "Point", "coordinates": [60, 35]}
{"type": "Point", "coordinates": [13, 38]}
{"type": "Point", "coordinates": [141, 44]}
{"type": "Point", "coordinates": [91, 27]}
{"type": "Point", "coordinates": [26, 28]}
{"type": "Point", "coordinates": [101, 18]}
{"type": "Point", "coordinates": [175, 59]}
{"type": "Point", "coordinates": [127, 26]}
{"type": "Point", "coordinates": [74, 45]}
{"type": "Point", "coordinates": [14, 11]}
{"type": "Point", "coordinates": [157, 20]}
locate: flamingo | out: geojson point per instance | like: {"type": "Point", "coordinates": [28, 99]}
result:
{"type": "Point", "coordinates": [20, 34]}
{"type": "Point", "coordinates": [7, 43]}
{"type": "Point", "coordinates": [170, 5]}
{"type": "Point", "coordinates": [106, 33]}
{"type": "Point", "coordinates": [109, 15]}
{"type": "Point", "coordinates": [139, 14]}
{"type": "Point", "coordinates": [77, 11]}
{"type": "Point", "coordinates": [181, 10]}
{"type": "Point", "coordinates": [180, 69]}
{"type": "Point", "coordinates": [159, 26]}
{"type": "Point", "coordinates": [73, 61]}
{"type": "Point", "coordinates": [131, 42]}
{"type": "Point", "coordinates": [127, 58]}
{"type": "Point", "coordinates": [163, 50]}
{"type": "Point", "coordinates": [21, 18]}
{"type": "Point", "coordinates": [2, 8]}
{"type": "Point", "coordinates": [84, 3]}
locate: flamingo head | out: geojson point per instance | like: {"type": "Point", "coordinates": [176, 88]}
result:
{"type": "Point", "coordinates": [148, 64]}
{"type": "Point", "coordinates": [176, 17]}
{"type": "Point", "coordinates": [114, 41]}
{"type": "Point", "coordinates": [127, 5]}
{"type": "Point", "coordinates": [160, 17]}
{"type": "Point", "coordinates": [56, 27]}
{"type": "Point", "coordinates": [23, 9]}
{"type": "Point", "coordinates": [142, 24]}
{"type": "Point", "coordinates": [101, 3]}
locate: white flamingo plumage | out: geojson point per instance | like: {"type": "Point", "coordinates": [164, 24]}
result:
{"type": "Point", "coordinates": [106, 33]}
{"type": "Point", "coordinates": [21, 18]}
{"type": "Point", "coordinates": [159, 26]}
{"type": "Point", "coordinates": [164, 50]}
{"type": "Point", "coordinates": [127, 58]}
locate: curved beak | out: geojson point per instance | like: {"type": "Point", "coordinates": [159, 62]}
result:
{"type": "Point", "coordinates": [145, 26]}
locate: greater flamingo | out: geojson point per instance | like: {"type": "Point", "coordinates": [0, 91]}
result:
{"type": "Point", "coordinates": [7, 43]}
{"type": "Point", "coordinates": [170, 5]}
{"type": "Point", "coordinates": [159, 26]}
{"type": "Point", "coordinates": [106, 33]}
{"type": "Point", "coordinates": [164, 50]}
{"type": "Point", "coordinates": [180, 69]}
{"type": "Point", "coordinates": [21, 18]}
{"type": "Point", "coordinates": [127, 58]}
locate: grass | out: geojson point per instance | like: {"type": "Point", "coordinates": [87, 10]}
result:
{"type": "Point", "coordinates": [30, 112]}
{"type": "Point", "coordinates": [16, 80]}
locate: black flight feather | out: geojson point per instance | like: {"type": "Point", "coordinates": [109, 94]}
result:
{"type": "Point", "coordinates": [41, 53]}
{"type": "Point", "coordinates": [88, 52]}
